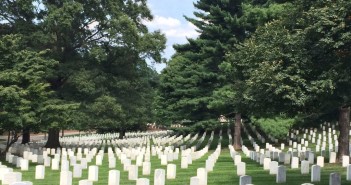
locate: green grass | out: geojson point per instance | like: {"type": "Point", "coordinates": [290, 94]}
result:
{"type": "Point", "coordinates": [224, 172]}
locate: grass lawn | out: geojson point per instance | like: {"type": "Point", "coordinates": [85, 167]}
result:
{"type": "Point", "coordinates": [224, 172]}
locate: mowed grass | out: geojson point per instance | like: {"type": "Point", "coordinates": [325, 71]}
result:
{"type": "Point", "coordinates": [224, 172]}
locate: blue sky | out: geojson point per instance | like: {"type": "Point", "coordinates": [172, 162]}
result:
{"type": "Point", "coordinates": [169, 18]}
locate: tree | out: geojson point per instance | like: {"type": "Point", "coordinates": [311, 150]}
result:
{"type": "Point", "coordinates": [300, 67]}
{"type": "Point", "coordinates": [193, 73]}
{"type": "Point", "coordinates": [197, 84]}
{"type": "Point", "coordinates": [23, 88]}
{"type": "Point", "coordinates": [86, 38]}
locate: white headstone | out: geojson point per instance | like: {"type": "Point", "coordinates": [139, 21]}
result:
{"type": "Point", "coordinates": [159, 177]}
{"type": "Point", "coordinates": [112, 162]}
{"type": "Point", "coordinates": [40, 172]}
{"type": "Point", "coordinates": [184, 162]}
{"type": "Point", "coordinates": [202, 174]}
{"type": "Point", "coordinates": [241, 169]}
{"type": "Point", "coordinates": [93, 173]}
{"type": "Point", "coordinates": [84, 163]}
{"type": "Point", "coordinates": [345, 160]}
{"type": "Point", "coordinates": [294, 163]}
{"type": "Point", "coordinates": [273, 167]}
{"type": "Point", "coordinates": [305, 167]}
{"type": "Point", "coordinates": [113, 177]}
{"type": "Point", "coordinates": [64, 165]}
{"type": "Point", "coordinates": [348, 172]}
{"type": "Point", "coordinates": [77, 171]}
{"type": "Point", "coordinates": [171, 171]}
{"type": "Point", "coordinates": [85, 182]}
{"type": "Point", "coordinates": [55, 164]}
{"type": "Point", "coordinates": [194, 180]}
{"type": "Point", "coordinates": [11, 177]}
{"type": "Point", "coordinates": [332, 157]}
{"type": "Point", "coordinates": [24, 164]}
{"type": "Point", "coordinates": [66, 178]}
{"type": "Point", "coordinates": [320, 161]}
{"type": "Point", "coordinates": [315, 173]}
{"type": "Point", "coordinates": [143, 181]}
{"type": "Point", "coordinates": [133, 172]}
{"type": "Point", "coordinates": [266, 163]}
{"type": "Point", "coordinates": [98, 161]}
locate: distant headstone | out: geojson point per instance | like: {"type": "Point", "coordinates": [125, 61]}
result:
{"type": "Point", "coordinates": [112, 162]}
{"type": "Point", "coordinates": [305, 167]}
{"type": "Point", "coordinates": [295, 163]}
{"type": "Point", "coordinates": [287, 158]}
{"type": "Point", "coordinates": [315, 173]}
{"type": "Point", "coordinates": [348, 172]}
{"type": "Point", "coordinates": [93, 173]}
{"type": "Point", "coordinates": [64, 165]}
{"type": "Point", "coordinates": [171, 171]}
{"type": "Point", "coordinates": [184, 162]}
{"type": "Point", "coordinates": [334, 179]}
{"type": "Point", "coordinates": [320, 161]}
{"type": "Point", "coordinates": [159, 177]}
{"type": "Point", "coordinates": [332, 157]}
{"type": "Point", "coordinates": [133, 172]}
{"type": "Point", "coordinates": [146, 168]}
{"type": "Point", "coordinates": [24, 164]}
{"type": "Point", "coordinates": [266, 163]}
{"type": "Point", "coordinates": [85, 182]}
{"type": "Point", "coordinates": [245, 180]}
{"type": "Point", "coordinates": [241, 169]}
{"type": "Point", "coordinates": [40, 172]}
{"type": "Point", "coordinates": [273, 167]}
{"type": "Point", "coordinates": [311, 158]}
{"type": "Point", "coordinates": [55, 164]}
{"type": "Point", "coordinates": [142, 181]}
{"type": "Point", "coordinates": [345, 160]}
{"type": "Point", "coordinates": [281, 174]}
{"type": "Point", "coordinates": [77, 171]}
{"type": "Point", "coordinates": [194, 180]}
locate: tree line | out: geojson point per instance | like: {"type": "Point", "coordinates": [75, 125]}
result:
{"type": "Point", "coordinates": [279, 59]}
{"type": "Point", "coordinates": [77, 64]}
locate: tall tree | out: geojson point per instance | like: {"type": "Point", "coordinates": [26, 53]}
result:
{"type": "Point", "coordinates": [197, 85]}
{"type": "Point", "coordinates": [76, 31]}
{"type": "Point", "coordinates": [301, 67]}
{"type": "Point", "coordinates": [23, 88]}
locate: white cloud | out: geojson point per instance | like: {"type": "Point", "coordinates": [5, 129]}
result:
{"type": "Point", "coordinates": [159, 22]}
{"type": "Point", "coordinates": [172, 27]}
{"type": "Point", "coordinates": [186, 32]}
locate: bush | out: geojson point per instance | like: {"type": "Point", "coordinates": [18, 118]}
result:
{"type": "Point", "coordinates": [277, 127]}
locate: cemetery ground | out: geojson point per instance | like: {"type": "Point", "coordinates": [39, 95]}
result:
{"type": "Point", "coordinates": [224, 171]}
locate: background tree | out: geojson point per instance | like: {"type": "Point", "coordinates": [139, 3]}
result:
{"type": "Point", "coordinates": [23, 89]}
{"type": "Point", "coordinates": [300, 67]}
{"type": "Point", "coordinates": [89, 39]}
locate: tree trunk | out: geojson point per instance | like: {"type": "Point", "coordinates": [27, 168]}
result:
{"type": "Point", "coordinates": [344, 127]}
{"type": "Point", "coordinates": [53, 138]}
{"type": "Point", "coordinates": [10, 141]}
{"type": "Point", "coordinates": [25, 135]}
{"type": "Point", "coordinates": [237, 132]}
{"type": "Point", "coordinates": [63, 132]}
{"type": "Point", "coordinates": [122, 133]}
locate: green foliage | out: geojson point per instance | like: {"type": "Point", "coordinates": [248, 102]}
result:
{"type": "Point", "coordinates": [101, 79]}
{"type": "Point", "coordinates": [278, 126]}
{"type": "Point", "coordinates": [23, 89]}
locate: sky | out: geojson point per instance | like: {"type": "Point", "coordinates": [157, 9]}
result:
{"type": "Point", "coordinates": [169, 18]}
